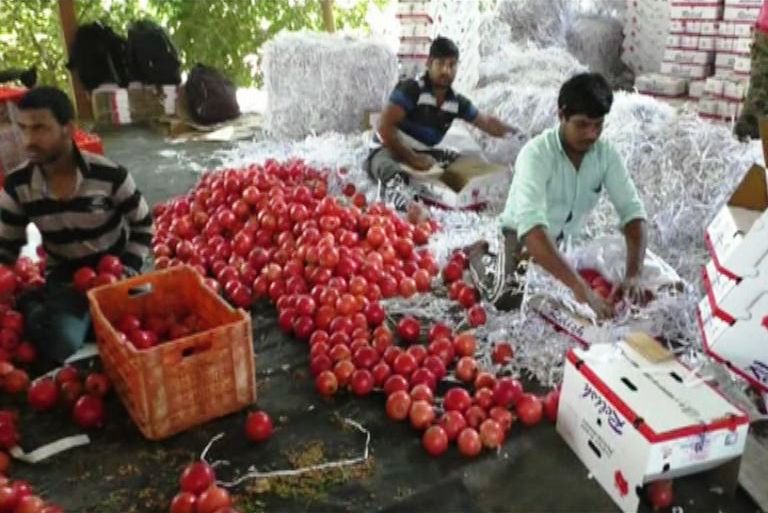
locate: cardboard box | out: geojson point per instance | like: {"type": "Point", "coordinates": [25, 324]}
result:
{"type": "Point", "coordinates": [696, 88]}
{"type": "Point", "coordinates": [743, 3]}
{"type": "Point", "coordinates": [676, 27]}
{"type": "Point", "coordinates": [743, 29]}
{"type": "Point", "coordinates": [714, 86]}
{"type": "Point", "coordinates": [709, 107]}
{"type": "Point", "coordinates": [689, 56]}
{"type": "Point", "coordinates": [736, 90]}
{"type": "Point", "coordinates": [661, 85]}
{"type": "Point", "coordinates": [741, 345]}
{"type": "Point", "coordinates": [725, 60]}
{"type": "Point", "coordinates": [747, 14]}
{"type": "Point", "coordinates": [707, 43]}
{"type": "Point", "coordinates": [709, 28]}
{"type": "Point", "coordinates": [468, 183]}
{"type": "Point", "coordinates": [696, 13]}
{"type": "Point", "coordinates": [686, 70]}
{"type": "Point", "coordinates": [742, 45]}
{"type": "Point", "coordinates": [737, 238]}
{"type": "Point", "coordinates": [634, 416]}
{"type": "Point", "coordinates": [724, 44]}
{"type": "Point", "coordinates": [727, 296]}
{"type": "Point", "coordinates": [414, 28]}
{"type": "Point", "coordinates": [729, 109]}
{"type": "Point", "coordinates": [742, 65]}
{"type": "Point", "coordinates": [689, 42]}
{"type": "Point", "coordinates": [674, 41]}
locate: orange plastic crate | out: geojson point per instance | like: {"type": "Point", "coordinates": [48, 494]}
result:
{"type": "Point", "coordinates": [183, 383]}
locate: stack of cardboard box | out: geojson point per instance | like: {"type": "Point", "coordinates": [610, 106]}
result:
{"type": "Point", "coordinates": [417, 26]}
{"type": "Point", "coordinates": [734, 314]}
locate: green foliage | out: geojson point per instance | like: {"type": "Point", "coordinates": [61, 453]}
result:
{"type": "Point", "coordinates": [226, 34]}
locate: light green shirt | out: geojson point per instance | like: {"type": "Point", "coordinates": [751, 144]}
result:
{"type": "Point", "coordinates": [548, 191]}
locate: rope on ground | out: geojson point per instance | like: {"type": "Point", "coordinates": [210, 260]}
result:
{"type": "Point", "coordinates": [255, 474]}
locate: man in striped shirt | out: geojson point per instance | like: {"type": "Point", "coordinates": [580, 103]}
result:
{"type": "Point", "coordinates": [84, 206]}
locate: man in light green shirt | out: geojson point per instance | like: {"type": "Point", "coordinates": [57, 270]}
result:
{"type": "Point", "coordinates": [559, 176]}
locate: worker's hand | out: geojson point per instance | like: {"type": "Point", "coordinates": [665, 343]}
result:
{"type": "Point", "coordinates": [584, 294]}
{"type": "Point", "coordinates": [629, 290]}
{"type": "Point", "coordinates": [422, 162]}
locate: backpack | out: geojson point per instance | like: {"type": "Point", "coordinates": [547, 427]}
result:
{"type": "Point", "coordinates": [98, 56]}
{"type": "Point", "coordinates": [152, 58]}
{"type": "Point", "coordinates": [211, 97]}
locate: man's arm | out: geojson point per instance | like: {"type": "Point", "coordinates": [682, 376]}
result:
{"type": "Point", "coordinates": [492, 125]}
{"type": "Point", "coordinates": [392, 116]}
{"type": "Point", "coordinates": [544, 252]}
{"type": "Point", "coordinates": [13, 228]}
{"type": "Point", "coordinates": [623, 194]}
{"type": "Point", "coordinates": [134, 209]}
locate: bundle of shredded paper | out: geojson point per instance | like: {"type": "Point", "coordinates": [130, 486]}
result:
{"type": "Point", "coordinates": [319, 82]}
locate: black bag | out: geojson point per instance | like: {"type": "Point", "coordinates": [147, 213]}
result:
{"type": "Point", "coordinates": [152, 58]}
{"type": "Point", "coordinates": [98, 56]}
{"type": "Point", "coordinates": [211, 97]}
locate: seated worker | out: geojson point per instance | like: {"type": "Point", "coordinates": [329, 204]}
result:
{"type": "Point", "coordinates": [417, 117]}
{"type": "Point", "coordinates": [84, 206]}
{"type": "Point", "coordinates": [559, 176]}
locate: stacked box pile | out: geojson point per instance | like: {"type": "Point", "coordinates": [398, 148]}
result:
{"type": "Point", "coordinates": [417, 27]}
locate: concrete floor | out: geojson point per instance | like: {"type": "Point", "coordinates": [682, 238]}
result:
{"type": "Point", "coordinates": [120, 472]}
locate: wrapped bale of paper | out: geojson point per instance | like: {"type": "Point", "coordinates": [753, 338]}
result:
{"type": "Point", "coordinates": [319, 82]}
{"type": "Point", "coordinates": [535, 21]}
{"type": "Point", "coordinates": [596, 41]}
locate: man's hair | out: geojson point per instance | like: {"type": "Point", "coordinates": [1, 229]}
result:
{"type": "Point", "coordinates": [443, 47]}
{"type": "Point", "coordinates": [51, 98]}
{"type": "Point", "coordinates": [586, 93]}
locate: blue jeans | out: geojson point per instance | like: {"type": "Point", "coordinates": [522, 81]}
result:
{"type": "Point", "coordinates": [57, 319]}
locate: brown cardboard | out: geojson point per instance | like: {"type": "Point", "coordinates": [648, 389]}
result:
{"type": "Point", "coordinates": [763, 127]}
{"type": "Point", "coordinates": [464, 169]}
{"type": "Point", "coordinates": [648, 347]}
{"type": "Point", "coordinates": [752, 192]}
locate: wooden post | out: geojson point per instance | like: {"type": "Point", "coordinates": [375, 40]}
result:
{"type": "Point", "coordinates": [328, 15]}
{"type": "Point", "coordinates": [68, 24]}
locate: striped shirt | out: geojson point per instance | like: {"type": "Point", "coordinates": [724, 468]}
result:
{"type": "Point", "coordinates": [425, 123]}
{"type": "Point", "coordinates": [106, 215]}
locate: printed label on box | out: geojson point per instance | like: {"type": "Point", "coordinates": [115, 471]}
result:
{"type": "Point", "coordinates": [748, 14]}
{"type": "Point", "coordinates": [682, 12]}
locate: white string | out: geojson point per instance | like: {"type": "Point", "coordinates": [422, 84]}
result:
{"type": "Point", "coordinates": [255, 474]}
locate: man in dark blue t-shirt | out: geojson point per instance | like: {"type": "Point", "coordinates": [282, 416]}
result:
{"type": "Point", "coordinates": [418, 115]}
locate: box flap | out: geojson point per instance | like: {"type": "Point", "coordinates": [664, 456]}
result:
{"type": "Point", "coordinates": [465, 169]}
{"type": "Point", "coordinates": [752, 192]}
{"type": "Point", "coordinates": [648, 347]}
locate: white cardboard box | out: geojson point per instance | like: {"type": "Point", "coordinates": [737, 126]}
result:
{"type": "Point", "coordinates": [714, 86]}
{"type": "Point", "coordinates": [724, 44]}
{"type": "Point", "coordinates": [725, 60]}
{"type": "Point", "coordinates": [740, 345]}
{"type": "Point", "coordinates": [696, 88]}
{"type": "Point", "coordinates": [467, 184]}
{"type": "Point", "coordinates": [689, 42]}
{"type": "Point", "coordinates": [696, 13]}
{"type": "Point", "coordinates": [737, 238]}
{"type": "Point", "coordinates": [743, 3]}
{"type": "Point", "coordinates": [632, 419]}
{"type": "Point", "coordinates": [743, 29]}
{"type": "Point", "coordinates": [728, 296]}
{"type": "Point", "coordinates": [674, 41]}
{"type": "Point", "coordinates": [707, 43]}
{"type": "Point", "coordinates": [709, 28]}
{"type": "Point", "coordinates": [689, 56]}
{"type": "Point", "coordinates": [735, 89]}
{"type": "Point", "coordinates": [661, 85]}
{"type": "Point", "coordinates": [748, 14]}
{"type": "Point", "coordinates": [686, 70]}
{"type": "Point", "coordinates": [742, 45]}
{"type": "Point", "coordinates": [742, 65]}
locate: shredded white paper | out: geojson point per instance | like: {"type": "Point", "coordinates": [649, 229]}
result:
{"type": "Point", "coordinates": [318, 82]}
